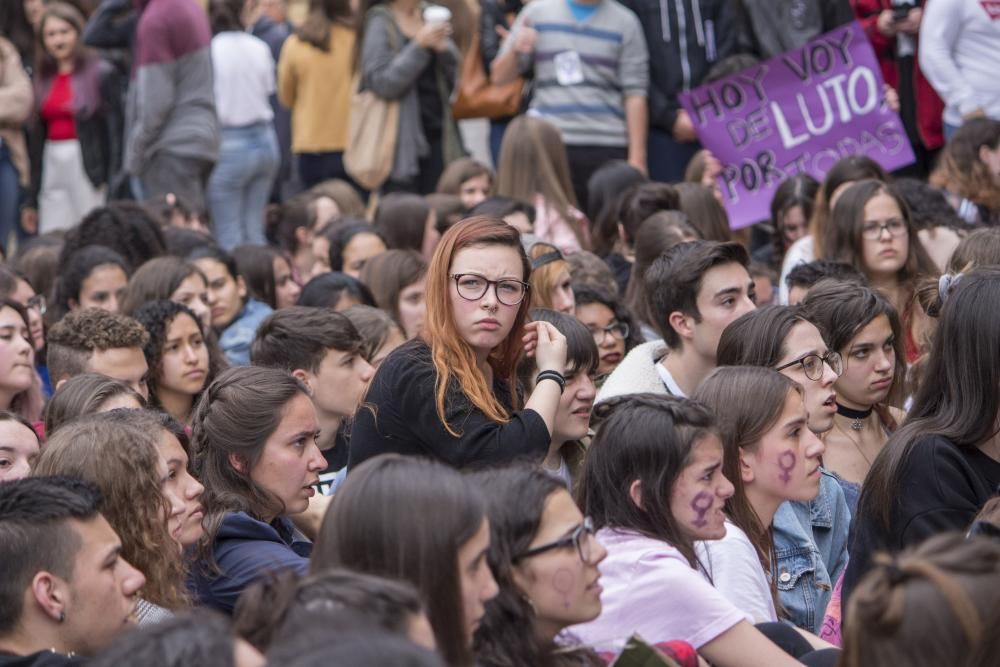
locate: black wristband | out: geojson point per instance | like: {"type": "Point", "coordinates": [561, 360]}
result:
{"type": "Point", "coordinates": [555, 376]}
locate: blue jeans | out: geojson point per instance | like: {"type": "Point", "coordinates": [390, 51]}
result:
{"type": "Point", "coordinates": [10, 194]}
{"type": "Point", "coordinates": [667, 158]}
{"type": "Point", "coordinates": [241, 183]}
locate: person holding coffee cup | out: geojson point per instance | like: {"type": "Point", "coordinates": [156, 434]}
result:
{"type": "Point", "coordinates": [406, 53]}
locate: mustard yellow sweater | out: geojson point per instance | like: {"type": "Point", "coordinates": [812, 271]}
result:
{"type": "Point", "coordinates": [316, 86]}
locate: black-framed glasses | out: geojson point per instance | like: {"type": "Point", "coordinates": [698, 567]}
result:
{"type": "Point", "coordinates": [582, 538]}
{"type": "Point", "coordinates": [617, 330]}
{"type": "Point", "coordinates": [36, 302]}
{"type": "Point", "coordinates": [812, 364]}
{"type": "Point", "coordinates": [472, 287]}
{"type": "Point", "coordinates": [873, 230]}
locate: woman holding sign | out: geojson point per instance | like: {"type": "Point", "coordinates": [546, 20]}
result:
{"type": "Point", "coordinates": [871, 230]}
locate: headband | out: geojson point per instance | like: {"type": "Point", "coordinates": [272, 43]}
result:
{"type": "Point", "coordinates": [547, 258]}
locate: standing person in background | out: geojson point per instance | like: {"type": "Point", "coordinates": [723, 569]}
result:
{"type": "Point", "coordinates": [15, 108]}
{"type": "Point", "coordinates": [593, 89]}
{"type": "Point", "coordinates": [683, 46]}
{"type": "Point", "coordinates": [74, 142]}
{"type": "Point", "coordinates": [173, 131]}
{"type": "Point", "coordinates": [314, 82]}
{"type": "Point", "coordinates": [495, 20]}
{"type": "Point", "coordinates": [403, 57]}
{"type": "Point", "coordinates": [960, 41]}
{"type": "Point", "coordinates": [776, 26]}
{"type": "Point", "coordinates": [892, 27]}
{"type": "Point", "coordinates": [269, 22]}
{"type": "Point", "coordinates": [241, 182]}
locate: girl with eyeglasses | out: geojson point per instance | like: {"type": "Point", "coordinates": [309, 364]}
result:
{"type": "Point", "coordinates": [653, 484]}
{"type": "Point", "coordinates": [452, 393]}
{"type": "Point", "coordinates": [870, 229]}
{"type": "Point", "coordinates": [864, 328]}
{"type": "Point", "coordinates": [810, 537]}
{"type": "Point", "coordinates": [614, 328]}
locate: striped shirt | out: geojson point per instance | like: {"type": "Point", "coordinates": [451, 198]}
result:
{"type": "Point", "coordinates": [585, 69]}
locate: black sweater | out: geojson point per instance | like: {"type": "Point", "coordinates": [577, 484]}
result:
{"type": "Point", "coordinates": [399, 415]}
{"type": "Point", "coordinates": [941, 488]}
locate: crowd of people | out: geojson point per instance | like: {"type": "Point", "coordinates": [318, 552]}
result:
{"type": "Point", "coordinates": [258, 406]}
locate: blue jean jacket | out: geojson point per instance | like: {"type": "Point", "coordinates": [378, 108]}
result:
{"type": "Point", "coordinates": [810, 542]}
{"type": "Point", "coordinates": [236, 339]}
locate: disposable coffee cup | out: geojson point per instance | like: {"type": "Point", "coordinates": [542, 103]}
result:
{"type": "Point", "coordinates": [435, 14]}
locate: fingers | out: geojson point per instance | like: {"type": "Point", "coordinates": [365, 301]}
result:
{"type": "Point", "coordinates": [502, 31]}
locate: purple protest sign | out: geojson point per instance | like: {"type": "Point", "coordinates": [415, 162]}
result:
{"type": "Point", "coordinates": [800, 112]}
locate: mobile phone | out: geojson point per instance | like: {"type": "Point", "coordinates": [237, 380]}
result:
{"type": "Point", "coordinates": [901, 12]}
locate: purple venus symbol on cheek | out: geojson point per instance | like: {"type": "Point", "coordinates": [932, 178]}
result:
{"type": "Point", "coordinates": [701, 503]}
{"type": "Point", "coordinates": [786, 461]}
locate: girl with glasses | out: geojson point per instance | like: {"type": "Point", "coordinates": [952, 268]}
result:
{"type": "Point", "coordinates": [864, 328]}
{"type": "Point", "coordinates": [452, 393]}
{"type": "Point", "coordinates": [653, 484]}
{"type": "Point", "coordinates": [870, 229]}
{"type": "Point", "coordinates": [614, 329]}
{"type": "Point", "coordinates": [810, 537]}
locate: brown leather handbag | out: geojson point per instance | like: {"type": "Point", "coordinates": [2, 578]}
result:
{"type": "Point", "coordinates": [476, 97]}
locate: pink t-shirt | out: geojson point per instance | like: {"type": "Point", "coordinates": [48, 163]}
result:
{"type": "Point", "coordinates": [651, 589]}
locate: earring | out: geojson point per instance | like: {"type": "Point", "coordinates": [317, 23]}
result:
{"type": "Point", "coordinates": [62, 616]}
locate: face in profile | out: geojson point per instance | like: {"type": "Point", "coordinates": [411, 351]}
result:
{"type": "Point", "coordinates": [476, 580]}
{"type": "Point", "coordinates": [18, 450]}
{"type": "Point", "coordinates": [340, 382]}
{"type": "Point", "coordinates": [100, 593]}
{"type": "Point", "coordinates": [785, 464]}
{"type": "Point", "coordinates": [804, 341]}
{"type": "Point", "coordinates": [186, 527]}
{"type": "Point", "coordinates": [412, 308]}
{"type": "Point", "coordinates": [485, 288]}
{"type": "Point", "coordinates": [17, 355]}
{"type": "Point", "coordinates": [562, 583]}
{"type": "Point", "coordinates": [286, 290]}
{"type": "Point", "coordinates": [700, 492]}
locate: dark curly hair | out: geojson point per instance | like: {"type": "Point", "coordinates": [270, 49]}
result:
{"type": "Point", "coordinates": [124, 226]}
{"type": "Point", "coordinates": [78, 267]}
{"type": "Point", "coordinates": [156, 317]}
{"type": "Point", "coordinates": [75, 337]}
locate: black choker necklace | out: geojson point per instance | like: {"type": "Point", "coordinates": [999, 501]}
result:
{"type": "Point", "coordinates": [859, 416]}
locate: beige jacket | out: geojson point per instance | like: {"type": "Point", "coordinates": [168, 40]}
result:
{"type": "Point", "coordinates": [15, 107]}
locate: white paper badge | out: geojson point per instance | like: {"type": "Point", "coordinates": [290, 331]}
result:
{"type": "Point", "coordinates": [569, 68]}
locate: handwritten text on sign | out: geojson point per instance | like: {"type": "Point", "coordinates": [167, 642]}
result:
{"type": "Point", "coordinates": [800, 112]}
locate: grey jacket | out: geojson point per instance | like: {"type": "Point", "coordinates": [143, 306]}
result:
{"type": "Point", "coordinates": [390, 69]}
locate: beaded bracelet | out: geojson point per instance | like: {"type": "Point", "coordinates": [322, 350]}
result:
{"type": "Point", "coordinates": [552, 375]}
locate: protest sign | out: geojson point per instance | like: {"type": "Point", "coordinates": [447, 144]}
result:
{"type": "Point", "coordinates": [800, 112]}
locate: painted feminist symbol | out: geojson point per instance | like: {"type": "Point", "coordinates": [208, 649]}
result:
{"type": "Point", "coordinates": [701, 503]}
{"type": "Point", "coordinates": [786, 461]}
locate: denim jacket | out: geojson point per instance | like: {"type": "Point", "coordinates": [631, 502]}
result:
{"type": "Point", "coordinates": [236, 338]}
{"type": "Point", "coordinates": [810, 542]}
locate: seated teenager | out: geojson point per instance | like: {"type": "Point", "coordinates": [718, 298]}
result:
{"type": "Point", "coordinates": [380, 334]}
{"type": "Point", "coordinates": [572, 422]}
{"type": "Point", "coordinates": [939, 469]}
{"type": "Point", "coordinates": [423, 523]}
{"type": "Point", "coordinates": [275, 610]}
{"type": "Point", "coordinates": [613, 327]}
{"type": "Point", "coordinates": [138, 499]}
{"type": "Point", "coordinates": [20, 386]}
{"type": "Point", "coordinates": [96, 341]}
{"type": "Point", "coordinates": [322, 349]}
{"type": "Point", "coordinates": [177, 357]}
{"type": "Point", "coordinates": [88, 394]}
{"type": "Point", "coordinates": [802, 277]}
{"type": "Point", "coordinates": [336, 290]}
{"type": "Point", "coordinates": [201, 637]}
{"type": "Point", "coordinates": [268, 275]}
{"type": "Point", "coordinates": [653, 485]}
{"type": "Point", "coordinates": [860, 324]}
{"type": "Point", "coordinates": [933, 604]}
{"type": "Point", "coordinates": [254, 438]}
{"type": "Point", "coordinates": [169, 278]}
{"type": "Point", "coordinates": [19, 446]}
{"type": "Point", "coordinates": [452, 393]}
{"type": "Point", "coordinates": [93, 277]}
{"type": "Point", "coordinates": [398, 281]}
{"type": "Point", "coordinates": [694, 290]}
{"type": "Point", "coordinates": [810, 538]}
{"type": "Point", "coordinates": [545, 559]}
{"type": "Point", "coordinates": [67, 587]}
{"type": "Point", "coordinates": [551, 285]}
{"type": "Point", "coordinates": [770, 456]}
{"type": "Point", "coordinates": [235, 314]}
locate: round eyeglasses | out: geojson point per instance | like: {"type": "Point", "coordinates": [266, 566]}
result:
{"type": "Point", "coordinates": [618, 331]}
{"type": "Point", "coordinates": [472, 287]}
{"type": "Point", "coordinates": [582, 538]}
{"type": "Point", "coordinates": [873, 230]}
{"type": "Point", "coordinates": [812, 364]}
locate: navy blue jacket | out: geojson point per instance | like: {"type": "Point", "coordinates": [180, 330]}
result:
{"type": "Point", "coordinates": [246, 550]}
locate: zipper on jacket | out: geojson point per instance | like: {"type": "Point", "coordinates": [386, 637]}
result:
{"type": "Point", "coordinates": [682, 36]}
